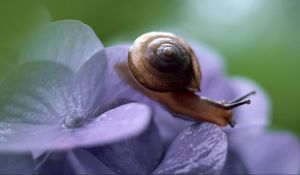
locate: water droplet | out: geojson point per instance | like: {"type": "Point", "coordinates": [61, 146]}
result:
{"type": "Point", "coordinates": [74, 120]}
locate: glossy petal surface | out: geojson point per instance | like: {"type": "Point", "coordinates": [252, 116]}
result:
{"type": "Point", "coordinates": [69, 42]}
{"type": "Point", "coordinates": [201, 148]}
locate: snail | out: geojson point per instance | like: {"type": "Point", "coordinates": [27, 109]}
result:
{"type": "Point", "coordinates": [167, 69]}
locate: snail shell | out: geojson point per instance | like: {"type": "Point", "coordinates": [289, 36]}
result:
{"type": "Point", "coordinates": [164, 62]}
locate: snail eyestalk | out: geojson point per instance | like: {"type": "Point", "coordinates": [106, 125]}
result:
{"type": "Point", "coordinates": [244, 96]}
{"type": "Point", "coordinates": [236, 104]}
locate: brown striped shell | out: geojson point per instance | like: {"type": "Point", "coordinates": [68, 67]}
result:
{"type": "Point", "coordinates": [164, 62]}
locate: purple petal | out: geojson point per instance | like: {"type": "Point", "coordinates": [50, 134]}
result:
{"type": "Point", "coordinates": [20, 163]}
{"type": "Point", "coordinates": [88, 85]}
{"type": "Point", "coordinates": [234, 163]}
{"type": "Point", "coordinates": [121, 123]}
{"type": "Point", "coordinates": [257, 113]}
{"type": "Point", "coordinates": [35, 93]}
{"type": "Point", "coordinates": [209, 59]}
{"type": "Point", "coordinates": [19, 137]}
{"type": "Point", "coordinates": [53, 163]}
{"type": "Point", "coordinates": [139, 155]}
{"type": "Point", "coordinates": [270, 153]}
{"type": "Point", "coordinates": [110, 127]}
{"type": "Point", "coordinates": [122, 86]}
{"type": "Point", "coordinates": [69, 42]}
{"type": "Point", "coordinates": [201, 148]}
{"type": "Point", "coordinates": [214, 83]}
{"type": "Point", "coordinates": [83, 162]}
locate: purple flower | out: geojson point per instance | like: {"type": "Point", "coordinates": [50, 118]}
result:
{"type": "Point", "coordinates": [252, 149]}
{"type": "Point", "coordinates": [70, 107]}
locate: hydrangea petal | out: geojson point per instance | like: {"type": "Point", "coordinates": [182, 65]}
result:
{"type": "Point", "coordinates": [35, 93]}
{"type": "Point", "coordinates": [214, 83]}
{"type": "Point", "coordinates": [55, 162]}
{"type": "Point", "coordinates": [12, 163]}
{"type": "Point", "coordinates": [88, 85]}
{"type": "Point", "coordinates": [69, 42]}
{"type": "Point", "coordinates": [139, 155]}
{"type": "Point", "coordinates": [234, 164]}
{"type": "Point", "coordinates": [123, 86]}
{"type": "Point", "coordinates": [258, 112]}
{"type": "Point", "coordinates": [270, 153]}
{"type": "Point", "coordinates": [120, 123]}
{"type": "Point", "coordinates": [209, 59]}
{"type": "Point", "coordinates": [83, 162]}
{"type": "Point", "coordinates": [110, 127]}
{"type": "Point", "coordinates": [20, 137]}
{"type": "Point", "coordinates": [200, 148]}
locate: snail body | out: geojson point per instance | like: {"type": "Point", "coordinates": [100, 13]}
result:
{"type": "Point", "coordinates": [168, 71]}
{"type": "Point", "coordinates": [164, 62]}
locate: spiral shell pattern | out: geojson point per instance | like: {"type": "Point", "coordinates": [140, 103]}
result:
{"type": "Point", "coordinates": [164, 62]}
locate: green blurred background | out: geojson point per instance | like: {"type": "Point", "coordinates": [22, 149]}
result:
{"type": "Point", "coordinates": [259, 39]}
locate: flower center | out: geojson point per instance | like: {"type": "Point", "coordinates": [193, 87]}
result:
{"type": "Point", "coordinates": [74, 121]}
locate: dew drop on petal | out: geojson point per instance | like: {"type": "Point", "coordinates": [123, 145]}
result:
{"type": "Point", "coordinates": [73, 121]}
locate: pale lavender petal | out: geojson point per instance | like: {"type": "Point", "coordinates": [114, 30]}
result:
{"type": "Point", "coordinates": [209, 59]}
{"type": "Point", "coordinates": [16, 163]}
{"type": "Point", "coordinates": [199, 149]}
{"type": "Point", "coordinates": [122, 86]}
{"type": "Point", "coordinates": [258, 112]}
{"type": "Point", "coordinates": [88, 87]}
{"type": "Point", "coordinates": [139, 155]}
{"type": "Point", "coordinates": [121, 123]}
{"type": "Point", "coordinates": [121, 138]}
{"type": "Point", "coordinates": [69, 42]}
{"type": "Point", "coordinates": [270, 153]}
{"type": "Point", "coordinates": [20, 137]}
{"type": "Point", "coordinates": [214, 84]}
{"type": "Point", "coordinates": [35, 93]}
{"type": "Point", "coordinates": [83, 162]}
